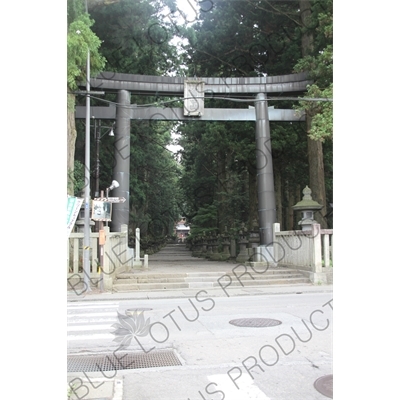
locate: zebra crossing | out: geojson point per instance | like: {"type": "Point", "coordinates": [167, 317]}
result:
{"type": "Point", "coordinates": [91, 320]}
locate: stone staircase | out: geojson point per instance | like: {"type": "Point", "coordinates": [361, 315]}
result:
{"type": "Point", "coordinates": [174, 268]}
{"type": "Point", "coordinates": [129, 281]}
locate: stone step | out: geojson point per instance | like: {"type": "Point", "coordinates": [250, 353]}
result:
{"type": "Point", "coordinates": [124, 287]}
{"type": "Point", "coordinates": [206, 274]}
{"type": "Point", "coordinates": [214, 278]}
{"type": "Point", "coordinates": [132, 275]}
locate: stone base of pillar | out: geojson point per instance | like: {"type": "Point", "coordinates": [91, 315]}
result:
{"type": "Point", "coordinates": [318, 278]}
{"type": "Point", "coordinates": [225, 256]}
{"type": "Point", "coordinates": [215, 257]}
{"type": "Point", "coordinates": [265, 255]}
{"type": "Point", "coordinates": [242, 257]}
{"type": "Point", "coordinates": [107, 283]}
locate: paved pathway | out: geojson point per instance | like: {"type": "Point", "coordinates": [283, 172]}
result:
{"type": "Point", "coordinates": [178, 257]}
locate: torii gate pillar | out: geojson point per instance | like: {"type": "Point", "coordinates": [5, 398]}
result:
{"type": "Point", "coordinates": [265, 173]}
{"type": "Point", "coordinates": [122, 149]}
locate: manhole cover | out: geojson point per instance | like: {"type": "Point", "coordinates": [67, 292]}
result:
{"type": "Point", "coordinates": [324, 385]}
{"type": "Point", "coordinates": [134, 311]}
{"type": "Point", "coordinates": [122, 360]}
{"type": "Point", "coordinates": [255, 322]}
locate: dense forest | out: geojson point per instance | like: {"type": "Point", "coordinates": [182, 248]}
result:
{"type": "Point", "coordinates": [211, 180]}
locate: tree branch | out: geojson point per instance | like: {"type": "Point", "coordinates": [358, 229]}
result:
{"type": "Point", "coordinates": [222, 61]}
{"type": "Point", "coordinates": [99, 3]}
{"type": "Point", "coordinates": [276, 11]}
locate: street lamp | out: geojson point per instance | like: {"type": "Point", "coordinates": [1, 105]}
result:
{"type": "Point", "coordinates": [114, 185]}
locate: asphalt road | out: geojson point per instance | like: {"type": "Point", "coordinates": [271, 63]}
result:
{"type": "Point", "coordinates": [219, 360]}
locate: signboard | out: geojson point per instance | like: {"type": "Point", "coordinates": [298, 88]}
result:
{"type": "Point", "coordinates": [101, 210]}
{"type": "Point", "coordinates": [111, 199]}
{"type": "Point", "coordinates": [73, 206]}
{"type": "Point", "coordinates": [193, 105]}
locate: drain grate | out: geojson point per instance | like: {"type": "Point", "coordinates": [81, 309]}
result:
{"type": "Point", "coordinates": [324, 385]}
{"type": "Point", "coordinates": [122, 360]}
{"type": "Point", "coordinates": [255, 322]}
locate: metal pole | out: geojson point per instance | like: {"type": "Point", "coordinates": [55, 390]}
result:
{"type": "Point", "coordinates": [97, 130]}
{"type": "Point", "coordinates": [107, 191]}
{"type": "Point", "coordinates": [86, 232]}
{"type": "Point", "coordinates": [265, 172]}
{"type": "Point", "coordinates": [122, 151]}
{"type": "Point", "coordinates": [101, 251]}
{"type": "Point", "coordinates": [137, 245]}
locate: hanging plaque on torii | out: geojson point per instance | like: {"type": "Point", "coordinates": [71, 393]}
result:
{"type": "Point", "coordinates": [193, 104]}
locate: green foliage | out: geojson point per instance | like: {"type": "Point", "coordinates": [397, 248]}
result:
{"type": "Point", "coordinates": [215, 183]}
{"type": "Point", "coordinates": [251, 38]}
{"type": "Point", "coordinates": [246, 38]}
{"type": "Point", "coordinates": [320, 68]}
{"type": "Point", "coordinates": [135, 39]}
{"type": "Point", "coordinates": [80, 41]}
{"type": "Point", "coordinates": [77, 178]}
{"type": "Point", "coordinates": [133, 36]}
{"type": "Point", "coordinates": [321, 112]}
{"type": "Point", "coordinates": [243, 38]}
{"type": "Point", "coordinates": [205, 220]}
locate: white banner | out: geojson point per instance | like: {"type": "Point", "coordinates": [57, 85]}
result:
{"type": "Point", "coordinates": [73, 207]}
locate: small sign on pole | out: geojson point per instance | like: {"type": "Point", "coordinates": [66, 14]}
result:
{"type": "Point", "coordinates": [102, 237]}
{"type": "Point", "coordinates": [101, 210]}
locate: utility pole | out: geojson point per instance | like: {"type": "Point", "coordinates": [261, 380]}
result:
{"type": "Point", "coordinates": [86, 232]}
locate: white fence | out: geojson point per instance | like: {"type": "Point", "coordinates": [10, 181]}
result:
{"type": "Point", "coordinates": [117, 256]}
{"type": "Point", "coordinates": [310, 251]}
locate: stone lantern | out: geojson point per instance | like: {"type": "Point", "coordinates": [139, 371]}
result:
{"type": "Point", "coordinates": [307, 206]}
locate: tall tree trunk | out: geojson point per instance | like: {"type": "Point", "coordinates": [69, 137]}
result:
{"type": "Point", "coordinates": [315, 152]}
{"type": "Point", "coordinates": [230, 190]}
{"type": "Point", "coordinates": [71, 139]}
{"type": "Point", "coordinates": [317, 179]}
{"type": "Point", "coordinates": [222, 211]}
{"type": "Point", "coordinates": [289, 211]}
{"type": "Point", "coordinates": [244, 188]}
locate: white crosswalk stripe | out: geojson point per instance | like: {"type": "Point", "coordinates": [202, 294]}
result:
{"type": "Point", "coordinates": [91, 320]}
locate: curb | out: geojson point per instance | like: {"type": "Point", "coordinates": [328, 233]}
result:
{"type": "Point", "coordinates": [95, 295]}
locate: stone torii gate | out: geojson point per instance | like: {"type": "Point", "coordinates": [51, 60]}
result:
{"type": "Point", "coordinates": [195, 90]}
